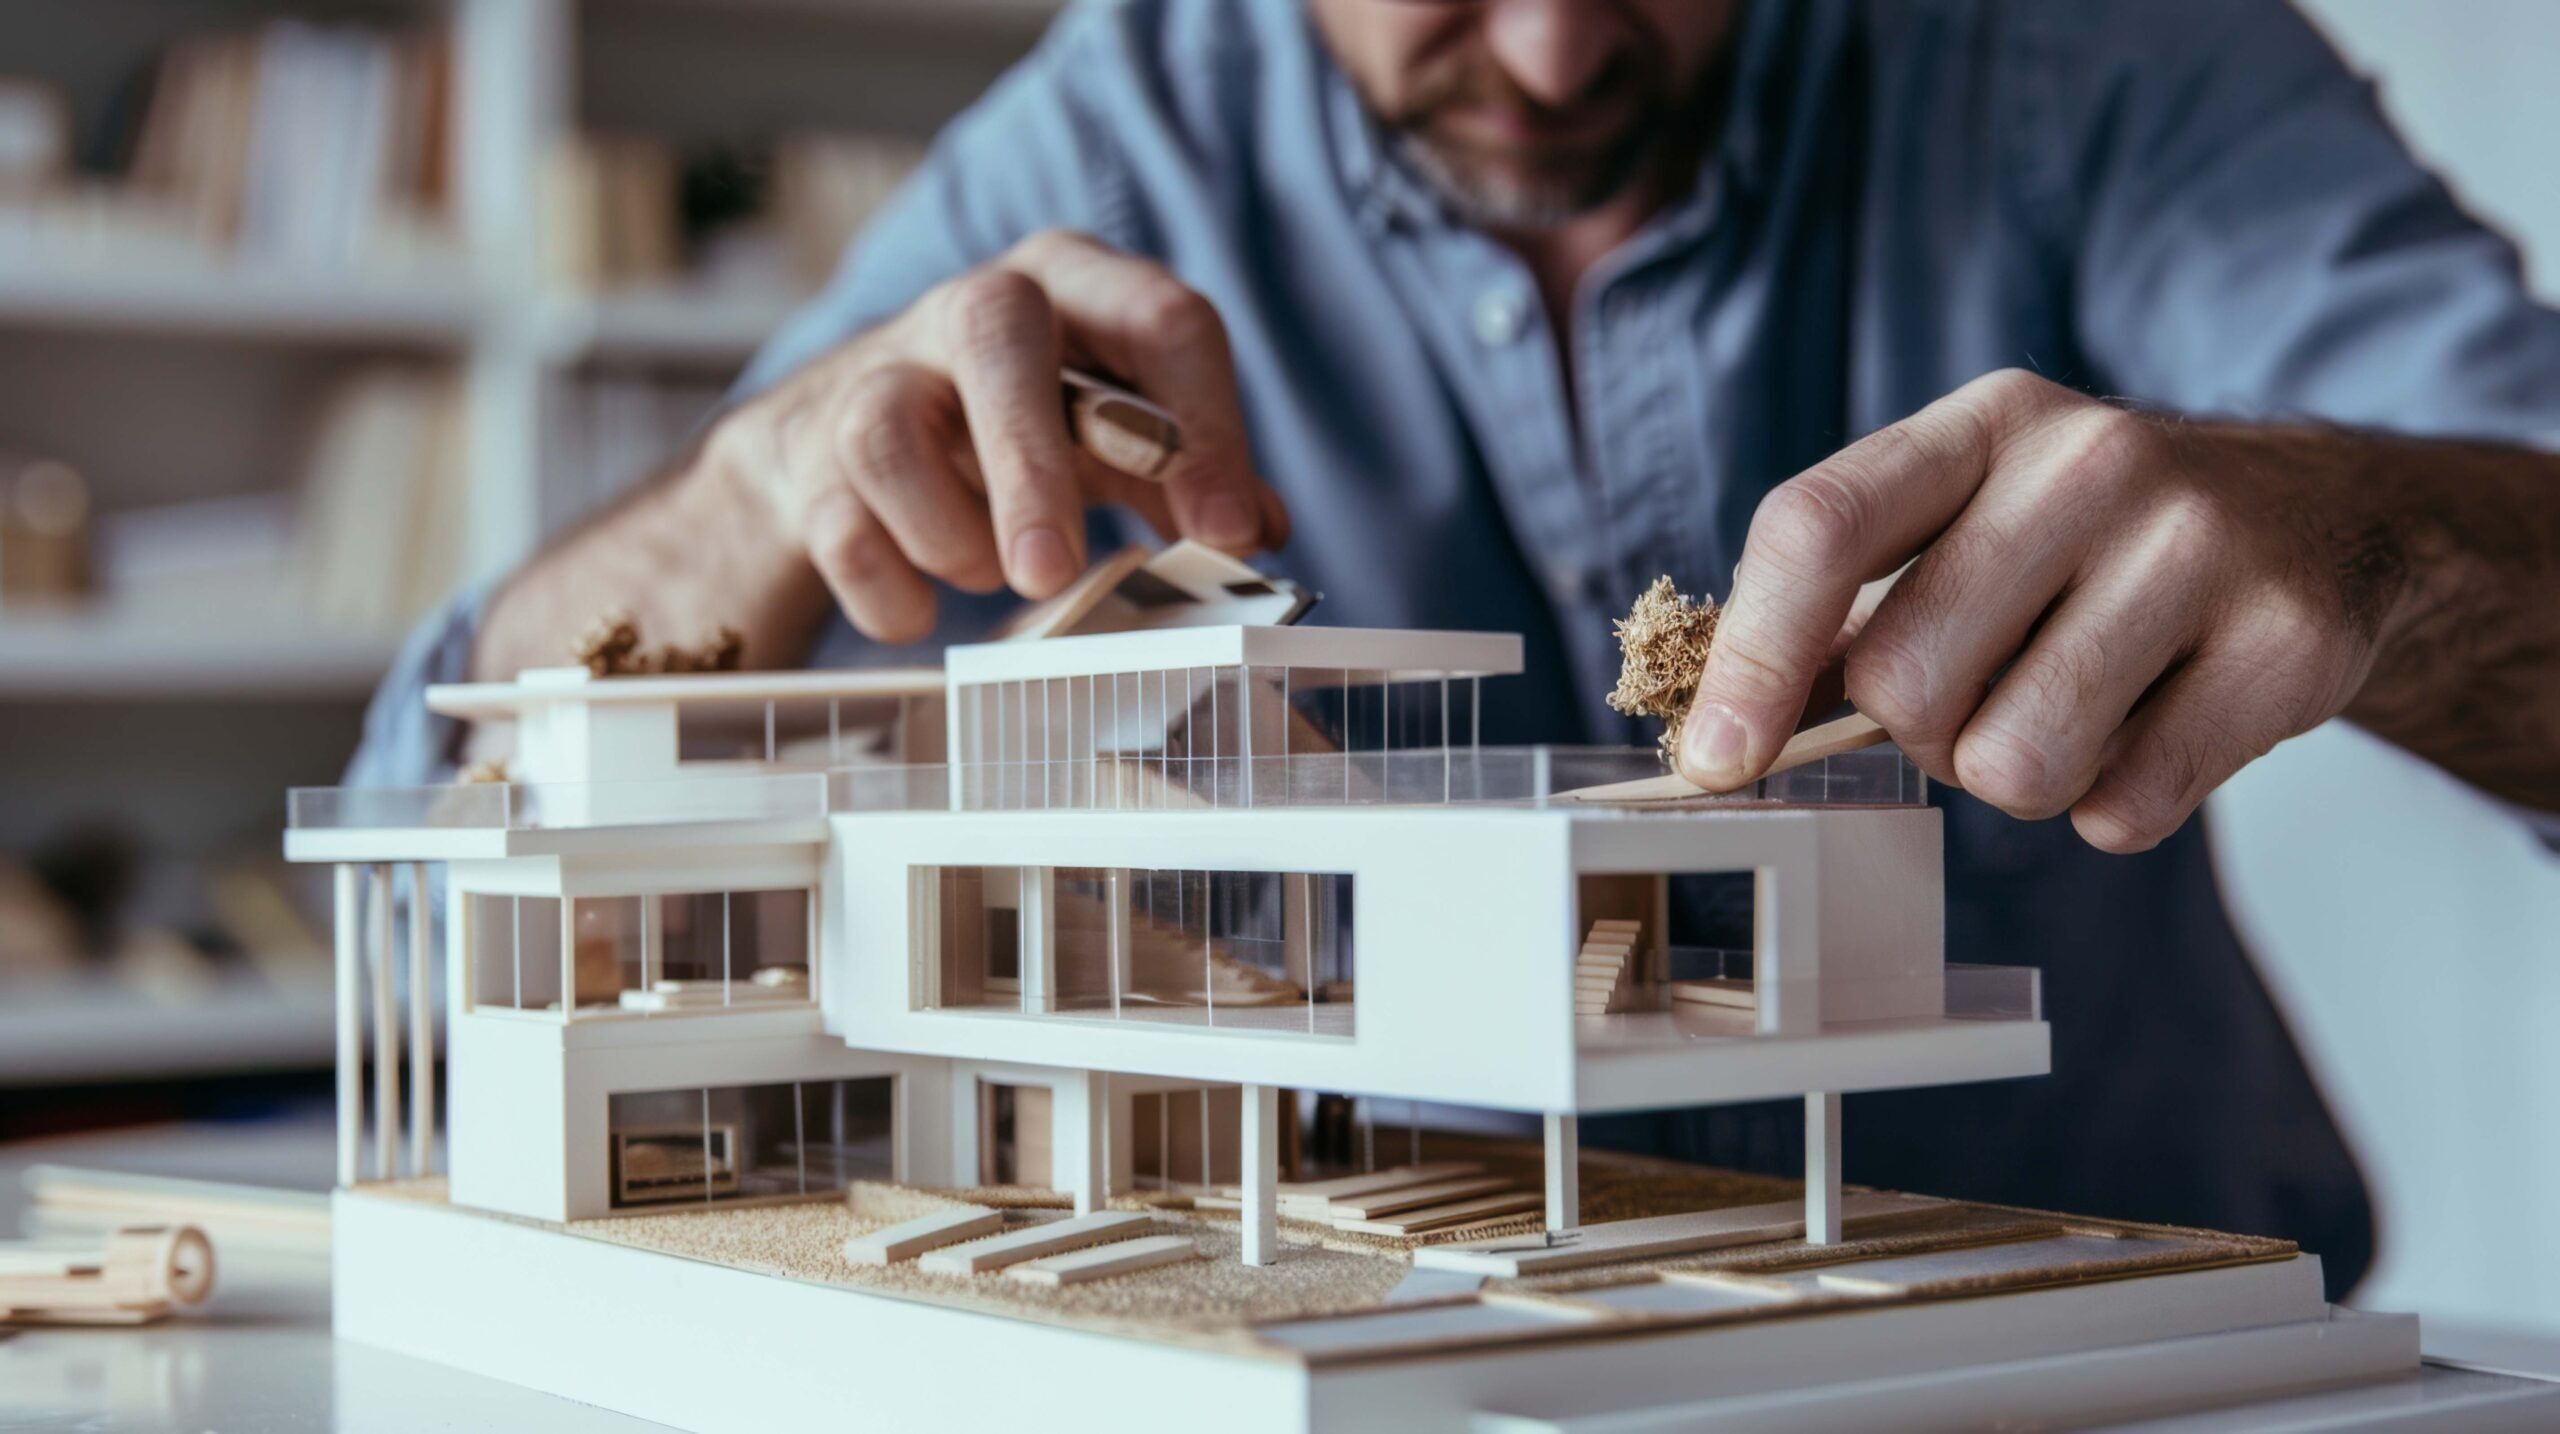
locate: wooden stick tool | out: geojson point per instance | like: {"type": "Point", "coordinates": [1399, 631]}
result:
{"type": "Point", "coordinates": [1847, 734]}
{"type": "Point", "coordinates": [1118, 425]}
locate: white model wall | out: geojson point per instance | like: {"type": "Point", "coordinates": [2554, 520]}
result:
{"type": "Point", "coordinates": [1462, 924]}
{"type": "Point", "coordinates": [2410, 928]}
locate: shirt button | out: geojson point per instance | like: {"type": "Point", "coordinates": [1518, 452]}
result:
{"type": "Point", "coordinates": [1500, 315]}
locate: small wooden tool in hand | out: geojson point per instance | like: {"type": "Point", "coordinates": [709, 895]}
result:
{"type": "Point", "coordinates": [1664, 640]}
{"type": "Point", "coordinates": [1118, 425]}
{"type": "Point", "coordinates": [1846, 734]}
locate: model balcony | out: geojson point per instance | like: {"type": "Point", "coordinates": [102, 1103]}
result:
{"type": "Point", "coordinates": [482, 820]}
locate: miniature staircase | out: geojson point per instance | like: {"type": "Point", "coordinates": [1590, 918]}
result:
{"type": "Point", "coordinates": [1604, 970]}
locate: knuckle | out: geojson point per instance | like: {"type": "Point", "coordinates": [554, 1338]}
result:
{"type": "Point", "coordinates": [2015, 384]}
{"type": "Point", "coordinates": [1888, 682]}
{"type": "Point", "coordinates": [2103, 825]}
{"type": "Point", "coordinates": [1043, 244]}
{"type": "Point", "coordinates": [2136, 810]}
{"type": "Point", "coordinates": [2188, 524]}
{"type": "Point", "coordinates": [876, 420]}
{"type": "Point", "coordinates": [1810, 523]}
{"type": "Point", "coordinates": [1743, 672]}
{"type": "Point", "coordinates": [995, 309]}
{"type": "Point", "coordinates": [2063, 676]}
{"type": "Point", "coordinates": [1173, 316]}
{"type": "Point", "coordinates": [2008, 771]}
{"type": "Point", "coordinates": [2100, 443]}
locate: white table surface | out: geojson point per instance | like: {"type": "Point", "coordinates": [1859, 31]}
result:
{"type": "Point", "coordinates": [258, 1354]}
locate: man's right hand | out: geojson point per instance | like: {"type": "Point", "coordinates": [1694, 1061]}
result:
{"type": "Point", "coordinates": [936, 445]}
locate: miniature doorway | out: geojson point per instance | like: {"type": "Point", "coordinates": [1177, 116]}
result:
{"type": "Point", "coordinates": [1015, 1135]}
{"type": "Point", "coordinates": [1188, 1139]}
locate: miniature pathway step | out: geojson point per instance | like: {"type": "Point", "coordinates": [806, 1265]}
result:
{"type": "Point", "coordinates": [1313, 1199]}
{"type": "Point", "coordinates": [1659, 1235]}
{"type": "Point", "coordinates": [1103, 1261]}
{"type": "Point", "coordinates": [908, 1239]}
{"type": "Point", "coordinates": [1414, 1197]}
{"type": "Point", "coordinates": [1035, 1241]}
{"type": "Point", "coordinates": [1441, 1217]}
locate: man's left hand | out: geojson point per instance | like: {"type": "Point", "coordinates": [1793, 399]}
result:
{"type": "Point", "coordinates": [2104, 612]}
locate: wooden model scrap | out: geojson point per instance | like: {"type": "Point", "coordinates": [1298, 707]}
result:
{"type": "Point", "coordinates": [848, 1032]}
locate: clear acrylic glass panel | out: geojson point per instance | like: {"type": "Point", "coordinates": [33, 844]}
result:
{"type": "Point", "coordinates": [661, 1150]}
{"type": "Point", "coordinates": [607, 958]}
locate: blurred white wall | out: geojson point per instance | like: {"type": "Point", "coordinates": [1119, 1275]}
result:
{"type": "Point", "coordinates": [2410, 928]}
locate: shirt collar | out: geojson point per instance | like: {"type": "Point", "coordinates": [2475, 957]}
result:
{"type": "Point", "coordinates": [1385, 192]}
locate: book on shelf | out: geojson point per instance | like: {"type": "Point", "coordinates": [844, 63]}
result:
{"type": "Point", "coordinates": [378, 531]}
{"type": "Point", "coordinates": [629, 211]}
{"type": "Point", "coordinates": [293, 143]}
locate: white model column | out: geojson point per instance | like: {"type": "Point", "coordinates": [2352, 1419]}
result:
{"type": "Point", "coordinates": [1083, 1109]}
{"type": "Point", "coordinates": [1121, 889]}
{"type": "Point", "coordinates": [350, 916]}
{"type": "Point", "coordinates": [1822, 1168]}
{"type": "Point", "coordinates": [1261, 1156]}
{"type": "Point", "coordinates": [1564, 1172]}
{"type": "Point", "coordinates": [422, 1029]}
{"type": "Point", "coordinates": [1038, 943]}
{"type": "Point", "coordinates": [386, 1024]}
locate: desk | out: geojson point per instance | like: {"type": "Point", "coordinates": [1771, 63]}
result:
{"type": "Point", "coordinates": [258, 1355]}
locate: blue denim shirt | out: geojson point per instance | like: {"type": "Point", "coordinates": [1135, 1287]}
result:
{"type": "Point", "coordinates": [2190, 203]}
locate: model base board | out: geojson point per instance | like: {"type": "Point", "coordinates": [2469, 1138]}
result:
{"type": "Point", "coordinates": [2062, 1317]}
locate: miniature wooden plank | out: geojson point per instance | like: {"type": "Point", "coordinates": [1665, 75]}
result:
{"type": "Point", "coordinates": [1659, 1235]}
{"type": "Point", "coordinates": [1103, 1261]}
{"type": "Point", "coordinates": [1035, 1241]}
{"type": "Point", "coordinates": [1414, 1197]}
{"type": "Point", "coordinates": [1716, 991]}
{"type": "Point", "coordinates": [1319, 1193]}
{"type": "Point", "coordinates": [1442, 1217]}
{"type": "Point", "coordinates": [910, 1238]}
{"type": "Point", "coordinates": [1847, 734]}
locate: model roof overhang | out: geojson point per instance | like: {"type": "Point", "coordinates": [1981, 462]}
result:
{"type": "Point", "coordinates": [498, 701]}
{"type": "Point", "coordinates": [1371, 654]}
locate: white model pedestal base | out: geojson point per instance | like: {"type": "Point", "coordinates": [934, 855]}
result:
{"type": "Point", "coordinates": [706, 1347]}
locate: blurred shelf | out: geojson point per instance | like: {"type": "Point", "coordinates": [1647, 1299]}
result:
{"type": "Point", "coordinates": [406, 307]}
{"type": "Point", "coordinates": [76, 1034]}
{"type": "Point", "coordinates": [661, 325]}
{"type": "Point", "coordinates": [954, 14]}
{"type": "Point", "coordinates": [112, 652]}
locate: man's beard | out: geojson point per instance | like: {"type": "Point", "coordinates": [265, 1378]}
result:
{"type": "Point", "coordinates": [1531, 187]}
{"type": "Point", "coordinates": [1509, 195]}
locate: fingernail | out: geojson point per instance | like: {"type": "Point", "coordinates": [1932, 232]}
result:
{"type": "Point", "coordinates": [1041, 559]}
{"type": "Point", "coordinates": [1716, 741]}
{"type": "Point", "coordinates": [1226, 522]}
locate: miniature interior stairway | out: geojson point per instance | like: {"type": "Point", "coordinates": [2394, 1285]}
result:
{"type": "Point", "coordinates": [1604, 971]}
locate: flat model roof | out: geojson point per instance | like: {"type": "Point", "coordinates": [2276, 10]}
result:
{"type": "Point", "coordinates": [1375, 654]}
{"type": "Point", "coordinates": [481, 701]}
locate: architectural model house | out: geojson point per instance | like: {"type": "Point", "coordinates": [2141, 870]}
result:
{"type": "Point", "coordinates": [944, 1045]}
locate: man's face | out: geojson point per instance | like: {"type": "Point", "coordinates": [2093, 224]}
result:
{"type": "Point", "coordinates": [1528, 113]}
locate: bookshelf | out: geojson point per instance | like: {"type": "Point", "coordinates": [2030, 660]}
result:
{"type": "Point", "coordinates": [171, 372]}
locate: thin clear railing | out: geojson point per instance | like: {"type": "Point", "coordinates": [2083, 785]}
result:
{"type": "Point", "coordinates": [1994, 993]}
{"type": "Point", "coordinates": [531, 806]}
{"type": "Point", "coordinates": [1426, 776]}
{"type": "Point", "coordinates": [1503, 776]}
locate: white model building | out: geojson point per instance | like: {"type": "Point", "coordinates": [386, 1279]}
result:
{"type": "Point", "coordinates": [1098, 914]}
